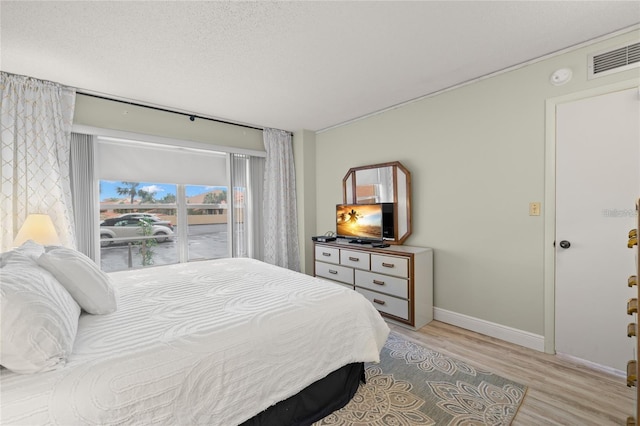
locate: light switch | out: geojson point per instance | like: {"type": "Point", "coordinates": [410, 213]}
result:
{"type": "Point", "coordinates": [534, 208]}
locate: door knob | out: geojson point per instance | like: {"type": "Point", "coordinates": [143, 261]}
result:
{"type": "Point", "coordinates": [565, 244]}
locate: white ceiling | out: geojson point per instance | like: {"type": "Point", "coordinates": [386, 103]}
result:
{"type": "Point", "coordinates": [289, 65]}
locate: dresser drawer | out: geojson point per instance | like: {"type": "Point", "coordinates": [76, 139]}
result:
{"type": "Point", "coordinates": [387, 304]}
{"type": "Point", "coordinates": [398, 287]}
{"type": "Point", "coordinates": [391, 265]}
{"type": "Point", "coordinates": [356, 259]}
{"type": "Point", "coordinates": [328, 254]}
{"type": "Point", "coordinates": [334, 272]}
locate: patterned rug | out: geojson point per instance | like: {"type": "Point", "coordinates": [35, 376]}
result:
{"type": "Point", "coordinates": [414, 385]}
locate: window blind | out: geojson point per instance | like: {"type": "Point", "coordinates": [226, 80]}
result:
{"type": "Point", "coordinates": [134, 161]}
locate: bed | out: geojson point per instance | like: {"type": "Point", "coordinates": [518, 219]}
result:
{"type": "Point", "coordinates": [219, 342]}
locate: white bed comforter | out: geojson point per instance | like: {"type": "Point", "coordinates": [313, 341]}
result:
{"type": "Point", "coordinates": [212, 342]}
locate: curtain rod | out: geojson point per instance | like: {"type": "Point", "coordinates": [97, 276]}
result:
{"type": "Point", "coordinates": [192, 117]}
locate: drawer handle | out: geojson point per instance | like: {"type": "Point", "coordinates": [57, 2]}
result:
{"type": "Point", "coordinates": [324, 253]}
{"type": "Point", "coordinates": [331, 271]}
{"type": "Point", "coordinates": [633, 280]}
{"type": "Point", "coordinates": [378, 282]}
{"type": "Point", "coordinates": [388, 265]}
{"type": "Point", "coordinates": [632, 306]}
{"type": "Point", "coordinates": [354, 259]}
{"type": "Point", "coordinates": [631, 329]}
{"type": "Point", "coordinates": [631, 373]}
{"type": "Point", "coordinates": [633, 241]}
{"type": "Point", "coordinates": [379, 302]}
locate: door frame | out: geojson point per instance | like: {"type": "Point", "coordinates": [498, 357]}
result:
{"type": "Point", "coordinates": [549, 252]}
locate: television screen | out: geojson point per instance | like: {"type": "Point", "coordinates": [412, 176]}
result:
{"type": "Point", "coordinates": [359, 221]}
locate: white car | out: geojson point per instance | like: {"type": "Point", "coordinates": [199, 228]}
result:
{"type": "Point", "coordinates": [123, 228]}
{"type": "Point", "coordinates": [147, 216]}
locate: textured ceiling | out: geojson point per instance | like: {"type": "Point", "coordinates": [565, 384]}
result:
{"type": "Point", "coordinates": [289, 65]}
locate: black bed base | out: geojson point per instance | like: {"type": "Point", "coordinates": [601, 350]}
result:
{"type": "Point", "coordinates": [314, 402]}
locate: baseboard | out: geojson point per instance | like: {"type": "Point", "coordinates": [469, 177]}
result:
{"type": "Point", "coordinates": [593, 365]}
{"type": "Point", "coordinates": [508, 334]}
{"type": "Point", "coordinates": [512, 335]}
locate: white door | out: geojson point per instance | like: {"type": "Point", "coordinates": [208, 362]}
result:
{"type": "Point", "coordinates": [597, 181]}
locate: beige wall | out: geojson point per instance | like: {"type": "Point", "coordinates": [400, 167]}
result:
{"type": "Point", "coordinates": [477, 158]}
{"type": "Point", "coordinates": [107, 114]}
{"type": "Point", "coordinates": [304, 154]}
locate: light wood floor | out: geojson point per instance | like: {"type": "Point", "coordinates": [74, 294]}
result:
{"type": "Point", "coordinates": [559, 392]}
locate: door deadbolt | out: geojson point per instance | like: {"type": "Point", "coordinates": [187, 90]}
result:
{"type": "Point", "coordinates": [565, 244]}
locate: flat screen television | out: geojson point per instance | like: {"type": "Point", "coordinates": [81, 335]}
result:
{"type": "Point", "coordinates": [365, 222]}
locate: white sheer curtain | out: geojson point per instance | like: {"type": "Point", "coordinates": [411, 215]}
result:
{"type": "Point", "coordinates": [247, 177]}
{"type": "Point", "coordinates": [83, 192]}
{"type": "Point", "coordinates": [36, 119]}
{"type": "Point", "coordinates": [256, 200]}
{"type": "Point", "coordinates": [280, 212]}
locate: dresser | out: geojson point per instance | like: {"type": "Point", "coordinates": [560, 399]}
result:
{"type": "Point", "coordinates": [398, 280]}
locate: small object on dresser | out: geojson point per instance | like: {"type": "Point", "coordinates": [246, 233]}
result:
{"type": "Point", "coordinates": [323, 238]}
{"type": "Point", "coordinates": [379, 245]}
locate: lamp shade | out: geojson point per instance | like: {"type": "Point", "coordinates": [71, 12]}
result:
{"type": "Point", "coordinates": [39, 228]}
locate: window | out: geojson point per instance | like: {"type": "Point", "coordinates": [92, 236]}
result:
{"type": "Point", "coordinates": [207, 219]}
{"type": "Point", "coordinates": [135, 212]}
{"type": "Point", "coordinates": [186, 213]}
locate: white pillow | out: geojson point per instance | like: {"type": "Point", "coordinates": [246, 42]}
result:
{"type": "Point", "coordinates": [29, 248]}
{"type": "Point", "coordinates": [82, 278]}
{"type": "Point", "coordinates": [38, 318]}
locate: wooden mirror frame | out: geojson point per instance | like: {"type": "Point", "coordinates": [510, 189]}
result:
{"type": "Point", "coordinates": [401, 197]}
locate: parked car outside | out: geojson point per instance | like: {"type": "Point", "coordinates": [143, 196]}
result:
{"type": "Point", "coordinates": [138, 214]}
{"type": "Point", "coordinates": [123, 228]}
{"type": "Point", "coordinates": [154, 219]}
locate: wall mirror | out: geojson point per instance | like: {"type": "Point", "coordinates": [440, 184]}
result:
{"type": "Point", "coordinates": [382, 183]}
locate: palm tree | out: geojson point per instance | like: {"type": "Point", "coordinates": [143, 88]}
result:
{"type": "Point", "coordinates": [220, 197]}
{"type": "Point", "coordinates": [168, 199]}
{"type": "Point", "coordinates": [215, 197]}
{"type": "Point", "coordinates": [209, 198]}
{"type": "Point", "coordinates": [146, 197]}
{"type": "Point", "coordinates": [353, 216]}
{"type": "Point", "coordinates": [130, 189]}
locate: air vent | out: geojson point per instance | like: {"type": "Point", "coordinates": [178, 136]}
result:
{"type": "Point", "coordinates": [616, 60]}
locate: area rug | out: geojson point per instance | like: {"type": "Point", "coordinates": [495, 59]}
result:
{"type": "Point", "coordinates": [414, 385]}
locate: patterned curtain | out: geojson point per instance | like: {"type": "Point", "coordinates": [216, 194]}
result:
{"type": "Point", "coordinates": [36, 118]}
{"type": "Point", "coordinates": [280, 213]}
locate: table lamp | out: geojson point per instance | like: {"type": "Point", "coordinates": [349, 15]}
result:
{"type": "Point", "coordinates": [39, 228]}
